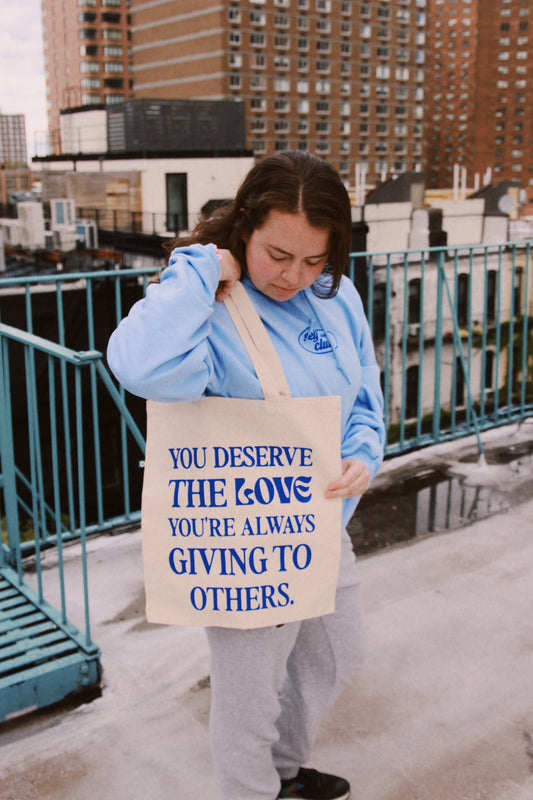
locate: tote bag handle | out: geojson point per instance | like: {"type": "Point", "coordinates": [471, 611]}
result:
{"type": "Point", "coordinates": [258, 344]}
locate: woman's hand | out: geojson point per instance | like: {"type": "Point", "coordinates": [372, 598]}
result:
{"type": "Point", "coordinates": [352, 483]}
{"type": "Point", "coordinates": [230, 272]}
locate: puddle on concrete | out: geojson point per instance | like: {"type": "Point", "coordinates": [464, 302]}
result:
{"type": "Point", "coordinates": [442, 497]}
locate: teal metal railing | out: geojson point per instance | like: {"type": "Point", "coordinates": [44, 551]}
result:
{"type": "Point", "coordinates": [45, 461]}
{"type": "Point", "coordinates": [452, 328]}
{"type": "Point", "coordinates": [454, 338]}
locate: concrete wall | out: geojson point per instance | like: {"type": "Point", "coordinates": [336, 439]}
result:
{"type": "Point", "coordinates": [389, 225]}
{"type": "Point", "coordinates": [207, 179]}
{"type": "Point", "coordinates": [463, 221]}
{"type": "Point", "coordinates": [84, 132]}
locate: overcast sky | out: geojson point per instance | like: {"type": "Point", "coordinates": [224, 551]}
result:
{"type": "Point", "coordinates": [22, 87]}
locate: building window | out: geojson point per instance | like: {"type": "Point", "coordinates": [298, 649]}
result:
{"type": "Point", "coordinates": [459, 383]}
{"type": "Point", "coordinates": [113, 66]}
{"type": "Point", "coordinates": [492, 286]}
{"type": "Point", "coordinates": [112, 33]}
{"type": "Point", "coordinates": [90, 83]}
{"type": "Point", "coordinates": [109, 16]}
{"type": "Point", "coordinates": [113, 83]}
{"type": "Point", "coordinates": [89, 66]}
{"type": "Point", "coordinates": [379, 310]}
{"type": "Point", "coordinates": [258, 83]}
{"type": "Point", "coordinates": [257, 17]}
{"type": "Point", "coordinates": [517, 292]}
{"type": "Point", "coordinates": [282, 85]}
{"type": "Point", "coordinates": [113, 50]}
{"type": "Point", "coordinates": [462, 300]}
{"type": "Point", "coordinates": [176, 201]}
{"type": "Point", "coordinates": [322, 87]}
{"type": "Point", "coordinates": [411, 391]}
{"type": "Point", "coordinates": [258, 104]}
{"type": "Point", "coordinates": [281, 20]}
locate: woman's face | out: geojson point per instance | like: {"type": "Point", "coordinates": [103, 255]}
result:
{"type": "Point", "coordinates": [286, 254]}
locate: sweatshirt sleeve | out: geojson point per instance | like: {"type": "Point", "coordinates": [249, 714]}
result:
{"type": "Point", "coordinates": [160, 350]}
{"type": "Point", "coordinates": [364, 433]}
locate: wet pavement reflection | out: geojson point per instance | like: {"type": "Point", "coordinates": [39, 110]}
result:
{"type": "Point", "coordinates": [442, 497]}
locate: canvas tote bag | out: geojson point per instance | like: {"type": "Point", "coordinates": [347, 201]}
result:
{"type": "Point", "coordinates": [236, 531]}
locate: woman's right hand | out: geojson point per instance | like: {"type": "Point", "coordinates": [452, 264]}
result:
{"type": "Point", "coordinates": [230, 272]}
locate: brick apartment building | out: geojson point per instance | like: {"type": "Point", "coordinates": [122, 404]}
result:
{"type": "Point", "coordinates": [87, 55]}
{"type": "Point", "coordinates": [479, 111]}
{"type": "Point", "coordinates": [387, 85]}
{"type": "Point", "coordinates": [345, 80]}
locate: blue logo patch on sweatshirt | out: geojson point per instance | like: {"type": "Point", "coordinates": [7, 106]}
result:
{"type": "Point", "coordinates": [314, 340]}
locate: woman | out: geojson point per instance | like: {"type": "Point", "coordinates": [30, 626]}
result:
{"type": "Point", "coordinates": [287, 237]}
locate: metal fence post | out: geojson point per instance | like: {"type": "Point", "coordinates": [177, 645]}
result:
{"type": "Point", "coordinates": [8, 481]}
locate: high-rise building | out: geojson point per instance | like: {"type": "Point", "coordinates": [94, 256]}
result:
{"type": "Point", "coordinates": [345, 80]}
{"type": "Point", "coordinates": [480, 83]}
{"type": "Point", "coordinates": [13, 140]}
{"type": "Point", "coordinates": [87, 55]}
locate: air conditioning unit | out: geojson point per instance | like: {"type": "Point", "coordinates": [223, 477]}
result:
{"type": "Point", "coordinates": [31, 220]}
{"type": "Point", "coordinates": [62, 212]}
{"type": "Point", "coordinates": [65, 238]}
{"type": "Point", "coordinates": [11, 231]}
{"type": "Point", "coordinates": [413, 329]}
{"type": "Point", "coordinates": [63, 218]}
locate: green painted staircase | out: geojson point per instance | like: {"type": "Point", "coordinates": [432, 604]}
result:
{"type": "Point", "coordinates": [42, 661]}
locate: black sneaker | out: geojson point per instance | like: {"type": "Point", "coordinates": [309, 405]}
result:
{"type": "Point", "coordinates": [312, 785]}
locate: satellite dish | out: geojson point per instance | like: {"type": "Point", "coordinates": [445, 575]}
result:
{"type": "Point", "coordinates": [506, 204]}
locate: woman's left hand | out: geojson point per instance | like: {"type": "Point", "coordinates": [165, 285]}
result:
{"type": "Point", "coordinates": [352, 483]}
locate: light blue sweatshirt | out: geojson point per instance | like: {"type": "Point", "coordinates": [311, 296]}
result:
{"type": "Point", "coordinates": [178, 343]}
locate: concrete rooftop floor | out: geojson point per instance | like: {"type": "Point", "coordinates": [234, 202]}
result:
{"type": "Point", "coordinates": [441, 710]}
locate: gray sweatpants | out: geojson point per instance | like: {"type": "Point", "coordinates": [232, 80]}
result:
{"type": "Point", "coordinates": [271, 687]}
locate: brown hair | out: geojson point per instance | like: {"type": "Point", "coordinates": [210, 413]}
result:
{"type": "Point", "coordinates": [291, 182]}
